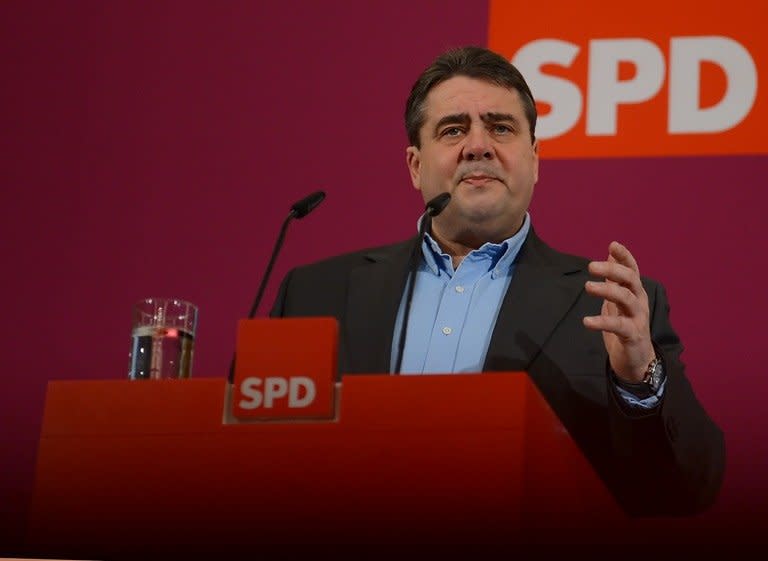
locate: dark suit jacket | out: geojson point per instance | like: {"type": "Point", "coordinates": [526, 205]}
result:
{"type": "Point", "coordinates": [667, 461]}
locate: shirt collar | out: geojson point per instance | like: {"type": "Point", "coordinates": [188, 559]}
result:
{"type": "Point", "coordinates": [500, 256]}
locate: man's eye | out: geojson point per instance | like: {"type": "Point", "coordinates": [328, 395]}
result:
{"type": "Point", "coordinates": [451, 131]}
{"type": "Point", "coordinates": [502, 129]}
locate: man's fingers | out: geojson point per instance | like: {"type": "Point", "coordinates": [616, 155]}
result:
{"type": "Point", "coordinates": [617, 273]}
{"type": "Point", "coordinates": [620, 268]}
{"type": "Point", "coordinates": [624, 298]}
{"type": "Point", "coordinates": [620, 326]}
{"type": "Point", "coordinates": [622, 255]}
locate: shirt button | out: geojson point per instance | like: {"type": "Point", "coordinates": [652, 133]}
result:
{"type": "Point", "coordinates": [447, 330]}
{"type": "Point", "coordinates": [459, 289]}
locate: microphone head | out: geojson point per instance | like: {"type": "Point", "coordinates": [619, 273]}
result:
{"type": "Point", "coordinates": [436, 205]}
{"type": "Point", "coordinates": [306, 205]}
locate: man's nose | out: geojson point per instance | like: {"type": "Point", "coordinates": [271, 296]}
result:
{"type": "Point", "coordinates": [477, 145]}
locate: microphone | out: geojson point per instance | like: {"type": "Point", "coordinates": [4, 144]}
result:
{"type": "Point", "coordinates": [306, 205]}
{"type": "Point", "coordinates": [435, 206]}
{"type": "Point", "coordinates": [299, 209]}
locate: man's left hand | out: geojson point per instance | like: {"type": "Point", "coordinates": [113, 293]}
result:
{"type": "Point", "coordinates": [624, 317]}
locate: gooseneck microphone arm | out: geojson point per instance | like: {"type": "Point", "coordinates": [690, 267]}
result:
{"type": "Point", "coordinates": [434, 207]}
{"type": "Point", "coordinates": [299, 210]}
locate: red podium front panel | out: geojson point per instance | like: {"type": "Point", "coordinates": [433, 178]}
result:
{"type": "Point", "coordinates": [137, 466]}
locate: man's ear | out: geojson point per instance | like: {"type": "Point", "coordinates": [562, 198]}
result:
{"type": "Point", "coordinates": [535, 161]}
{"type": "Point", "coordinates": [413, 159]}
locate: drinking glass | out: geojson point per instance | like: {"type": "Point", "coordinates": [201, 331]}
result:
{"type": "Point", "coordinates": [162, 339]}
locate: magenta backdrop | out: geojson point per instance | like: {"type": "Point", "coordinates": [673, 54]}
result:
{"type": "Point", "coordinates": [153, 148]}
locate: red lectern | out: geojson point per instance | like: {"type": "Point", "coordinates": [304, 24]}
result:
{"type": "Point", "coordinates": [145, 467]}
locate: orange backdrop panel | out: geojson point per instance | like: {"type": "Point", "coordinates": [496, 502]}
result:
{"type": "Point", "coordinates": [641, 127]}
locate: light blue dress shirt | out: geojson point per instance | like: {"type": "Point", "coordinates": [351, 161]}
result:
{"type": "Point", "coordinates": [454, 312]}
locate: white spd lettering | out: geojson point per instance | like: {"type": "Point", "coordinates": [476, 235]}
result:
{"type": "Point", "coordinates": [606, 92]}
{"type": "Point", "coordinates": [277, 388]}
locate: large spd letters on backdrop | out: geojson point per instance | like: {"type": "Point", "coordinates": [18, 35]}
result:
{"type": "Point", "coordinates": [610, 85]}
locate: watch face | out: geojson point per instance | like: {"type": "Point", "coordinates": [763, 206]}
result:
{"type": "Point", "coordinates": [655, 380]}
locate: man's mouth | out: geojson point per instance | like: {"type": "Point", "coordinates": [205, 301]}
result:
{"type": "Point", "coordinates": [478, 179]}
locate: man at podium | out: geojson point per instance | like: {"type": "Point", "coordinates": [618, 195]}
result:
{"type": "Point", "coordinates": [485, 293]}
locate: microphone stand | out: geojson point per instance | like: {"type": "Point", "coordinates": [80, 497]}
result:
{"type": "Point", "coordinates": [298, 210]}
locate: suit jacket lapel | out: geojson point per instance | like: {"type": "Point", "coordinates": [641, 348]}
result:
{"type": "Point", "coordinates": [375, 291]}
{"type": "Point", "coordinates": [544, 286]}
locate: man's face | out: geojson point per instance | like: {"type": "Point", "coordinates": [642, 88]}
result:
{"type": "Point", "coordinates": [475, 145]}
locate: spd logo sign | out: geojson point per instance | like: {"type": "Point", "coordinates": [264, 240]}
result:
{"type": "Point", "coordinates": [646, 79]}
{"type": "Point", "coordinates": [285, 369]}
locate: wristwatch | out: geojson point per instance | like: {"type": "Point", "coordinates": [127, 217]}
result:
{"type": "Point", "coordinates": [654, 375]}
{"type": "Point", "coordinates": [649, 385]}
